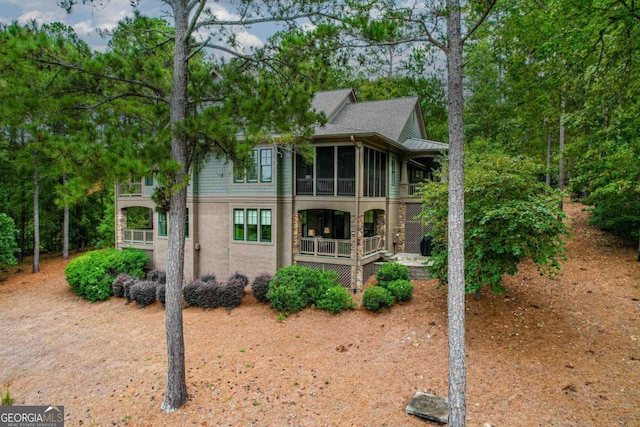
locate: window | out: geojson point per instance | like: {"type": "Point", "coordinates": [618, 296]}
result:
{"type": "Point", "coordinates": [375, 173]}
{"type": "Point", "coordinates": [162, 224]}
{"type": "Point", "coordinates": [394, 172]}
{"type": "Point", "coordinates": [148, 181]}
{"type": "Point", "coordinates": [238, 224]}
{"type": "Point", "coordinates": [252, 225]}
{"type": "Point", "coordinates": [265, 165]}
{"type": "Point", "coordinates": [265, 225]}
{"type": "Point", "coordinates": [260, 168]}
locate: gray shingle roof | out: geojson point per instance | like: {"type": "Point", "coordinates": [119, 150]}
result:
{"type": "Point", "coordinates": [386, 117]}
{"type": "Point", "coordinates": [329, 102]}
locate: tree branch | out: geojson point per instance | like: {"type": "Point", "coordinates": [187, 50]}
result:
{"type": "Point", "coordinates": [480, 21]}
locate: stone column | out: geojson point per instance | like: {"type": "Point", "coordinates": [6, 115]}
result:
{"type": "Point", "coordinates": [121, 224]}
{"type": "Point", "coordinates": [402, 228]}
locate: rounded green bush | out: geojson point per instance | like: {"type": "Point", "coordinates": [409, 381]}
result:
{"type": "Point", "coordinates": [92, 274]}
{"type": "Point", "coordinates": [296, 287]}
{"type": "Point", "coordinates": [402, 290]}
{"type": "Point", "coordinates": [335, 299]}
{"type": "Point", "coordinates": [376, 297]}
{"type": "Point", "coordinates": [391, 271]}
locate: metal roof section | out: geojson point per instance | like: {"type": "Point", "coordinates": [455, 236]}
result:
{"type": "Point", "coordinates": [415, 144]}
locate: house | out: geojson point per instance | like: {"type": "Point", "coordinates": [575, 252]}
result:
{"type": "Point", "coordinates": [341, 211]}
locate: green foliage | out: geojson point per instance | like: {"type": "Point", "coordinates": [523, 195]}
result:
{"type": "Point", "coordinates": [7, 399]}
{"type": "Point", "coordinates": [335, 299]}
{"type": "Point", "coordinates": [260, 287]}
{"type": "Point", "coordinates": [8, 246]}
{"type": "Point", "coordinates": [402, 290]}
{"type": "Point", "coordinates": [376, 297]}
{"type": "Point", "coordinates": [295, 287]}
{"type": "Point", "coordinates": [609, 177]}
{"type": "Point", "coordinates": [143, 292]}
{"type": "Point", "coordinates": [91, 275]}
{"type": "Point", "coordinates": [391, 271]}
{"type": "Point", "coordinates": [509, 215]}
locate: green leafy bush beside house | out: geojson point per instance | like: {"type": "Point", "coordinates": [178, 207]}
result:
{"type": "Point", "coordinates": [91, 275]}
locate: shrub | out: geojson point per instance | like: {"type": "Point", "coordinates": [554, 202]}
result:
{"type": "Point", "coordinates": [158, 276]}
{"type": "Point", "coordinates": [91, 275]}
{"type": "Point", "coordinates": [390, 271]}
{"type": "Point", "coordinates": [376, 297]}
{"type": "Point", "coordinates": [211, 278]}
{"type": "Point", "coordinates": [335, 299]}
{"type": "Point", "coordinates": [295, 287]}
{"type": "Point", "coordinates": [190, 292]}
{"type": "Point", "coordinates": [207, 295]}
{"type": "Point", "coordinates": [237, 277]}
{"type": "Point", "coordinates": [118, 285]}
{"type": "Point", "coordinates": [260, 287]}
{"type": "Point", "coordinates": [143, 292]}
{"type": "Point", "coordinates": [402, 290]}
{"type": "Point", "coordinates": [161, 293]}
{"type": "Point", "coordinates": [230, 294]}
{"type": "Point", "coordinates": [8, 245]}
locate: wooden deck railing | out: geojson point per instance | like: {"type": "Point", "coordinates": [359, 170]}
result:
{"type": "Point", "coordinates": [138, 237]}
{"type": "Point", "coordinates": [325, 247]}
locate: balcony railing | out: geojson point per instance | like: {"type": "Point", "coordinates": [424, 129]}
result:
{"type": "Point", "coordinates": [325, 247]}
{"type": "Point", "coordinates": [324, 186]}
{"type": "Point", "coordinates": [372, 244]}
{"type": "Point", "coordinates": [129, 189]}
{"type": "Point", "coordinates": [346, 187]}
{"type": "Point", "coordinates": [413, 188]}
{"type": "Point", "coordinates": [138, 237]}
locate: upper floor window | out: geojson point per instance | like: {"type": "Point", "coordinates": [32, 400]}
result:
{"type": "Point", "coordinates": [260, 168]}
{"type": "Point", "coordinates": [375, 173]}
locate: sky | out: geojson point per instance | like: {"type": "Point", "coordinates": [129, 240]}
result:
{"type": "Point", "coordinates": [105, 14]}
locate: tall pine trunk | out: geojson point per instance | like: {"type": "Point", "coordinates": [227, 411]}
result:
{"type": "Point", "coordinates": [548, 177]}
{"type": "Point", "coordinates": [65, 225]}
{"type": "Point", "coordinates": [561, 151]}
{"type": "Point", "coordinates": [176, 391]}
{"type": "Point", "coordinates": [456, 315]}
{"type": "Point", "coordinates": [36, 214]}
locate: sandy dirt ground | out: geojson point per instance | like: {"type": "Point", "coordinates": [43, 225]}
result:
{"type": "Point", "coordinates": [551, 352]}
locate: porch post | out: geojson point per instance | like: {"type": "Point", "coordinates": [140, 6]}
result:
{"type": "Point", "coordinates": [404, 179]}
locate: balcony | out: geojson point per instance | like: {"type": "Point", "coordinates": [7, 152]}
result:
{"type": "Point", "coordinates": [325, 247]}
{"type": "Point", "coordinates": [130, 189]}
{"type": "Point", "coordinates": [325, 187]}
{"type": "Point", "coordinates": [138, 237]}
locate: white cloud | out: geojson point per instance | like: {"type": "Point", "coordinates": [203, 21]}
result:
{"type": "Point", "coordinates": [248, 41]}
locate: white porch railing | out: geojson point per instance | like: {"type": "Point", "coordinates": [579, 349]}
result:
{"type": "Point", "coordinates": [138, 237]}
{"type": "Point", "coordinates": [129, 189]}
{"type": "Point", "coordinates": [325, 247]}
{"type": "Point", "coordinates": [372, 244]}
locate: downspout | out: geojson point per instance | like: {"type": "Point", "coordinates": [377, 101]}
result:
{"type": "Point", "coordinates": [357, 211]}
